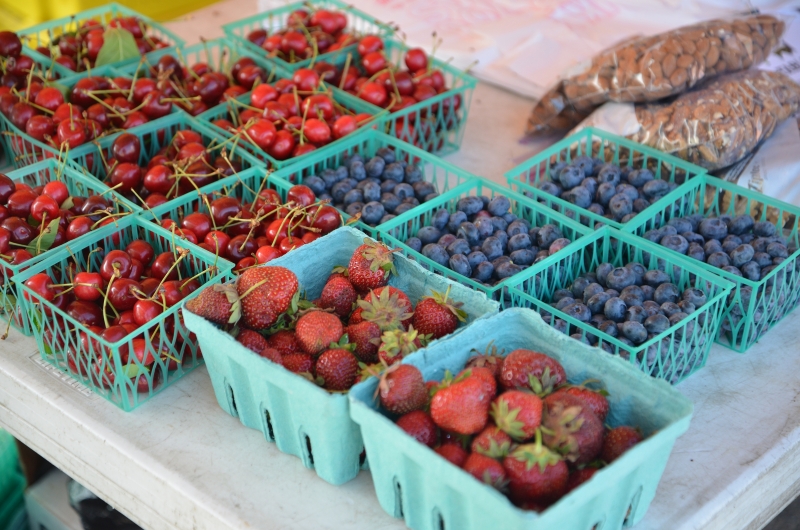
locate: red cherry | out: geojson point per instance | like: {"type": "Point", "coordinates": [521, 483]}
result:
{"type": "Point", "coordinates": [134, 119]}
{"type": "Point", "coordinates": [89, 286]}
{"type": "Point", "coordinates": [71, 133]}
{"type": "Point", "coordinates": [170, 293]}
{"type": "Point", "coordinates": [41, 285]}
{"type": "Point", "coordinates": [125, 177]}
{"type": "Point", "coordinates": [318, 106]}
{"type": "Point", "coordinates": [45, 207]}
{"type": "Point", "coordinates": [276, 112]}
{"type": "Point", "coordinates": [121, 293]}
{"type": "Point", "coordinates": [141, 250]}
{"type": "Point", "coordinates": [306, 79]}
{"type": "Point", "coordinates": [41, 128]}
{"type": "Point", "coordinates": [49, 98]}
{"type": "Point", "coordinates": [86, 313]}
{"type": "Point", "coordinates": [325, 20]}
{"type": "Point", "coordinates": [262, 133]}
{"type": "Point", "coordinates": [423, 92]}
{"type": "Point", "coordinates": [19, 203]}
{"type": "Point", "coordinates": [126, 148]}
{"type": "Point", "coordinates": [223, 208]}
{"type": "Point", "coordinates": [369, 44]}
{"type": "Point", "coordinates": [300, 194]}
{"type": "Point", "coordinates": [5, 240]}
{"type": "Point", "coordinates": [326, 218]}
{"type": "Point", "coordinates": [199, 223]}
{"type": "Point", "coordinates": [162, 267]}
{"type": "Point", "coordinates": [302, 149]}
{"type": "Point", "coordinates": [374, 93]}
{"type": "Point", "coordinates": [317, 131]}
{"type": "Point", "coordinates": [240, 247]}
{"type": "Point", "coordinates": [308, 237]}
{"type": "Point", "coordinates": [262, 94]}
{"type": "Point", "coordinates": [116, 263]}
{"type": "Point", "coordinates": [78, 227]}
{"type": "Point", "coordinates": [291, 102]}
{"type": "Point", "coordinates": [290, 243]}
{"type": "Point", "coordinates": [374, 62]}
{"type": "Point", "coordinates": [159, 179]}
{"type": "Point", "coordinates": [244, 263]}
{"type": "Point", "coordinates": [283, 146]}
{"type": "Point", "coordinates": [57, 190]}
{"type": "Point", "coordinates": [416, 59]}
{"type": "Point", "coordinates": [267, 253]}
{"type": "Point", "coordinates": [146, 310]}
{"type": "Point", "coordinates": [137, 269]}
{"type": "Point", "coordinates": [149, 286]}
{"type": "Point", "coordinates": [343, 126]}
{"type": "Point", "coordinates": [250, 75]}
{"type": "Point", "coordinates": [293, 41]}
{"type": "Point", "coordinates": [155, 199]}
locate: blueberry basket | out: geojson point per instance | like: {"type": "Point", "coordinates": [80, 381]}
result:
{"type": "Point", "coordinates": [430, 493]}
{"type": "Point", "coordinates": [607, 147]}
{"type": "Point", "coordinates": [753, 307]}
{"type": "Point", "coordinates": [674, 354]}
{"type": "Point", "coordinates": [78, 185]}
{"type": "Point", "coordinates": [397, 231]}
{"type": "Point", "coordinates": [301, 418]}
{"type": "Point", "coordinates": [112, 370]}
{"type": "Point", "coordinates": [276, 19]}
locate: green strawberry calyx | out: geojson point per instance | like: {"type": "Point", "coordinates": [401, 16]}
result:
{"type": "Point", "coordinates": [543, 385]}
{"type": "Point", "coordinates": [385, 310]}
{"type": "Point", "coordinates": [380, 257]}
{"type": "Point", "coordinates": [453, 307]}
{"type": "Point", "coordinates": [229, 290]}
{"type": "Point", "coordinates": [506, 420]}
{"type": "Point", "coordinates": [536, 454]}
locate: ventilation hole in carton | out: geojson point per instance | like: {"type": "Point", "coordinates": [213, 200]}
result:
{"type": "Point", "coordinates": [597, 526]}
{"type": "Point", "coordinates": [232, 401]}
{"type": "Point", "coordinates": [629, 515]}
{"type": "Point", "coordinates": [308, 449]}
{"type": "Point", "coordinates": [439, 521]}
{"type": "Point", "coordinates": [362, 458]}
{"type": "Point", "coordinates": [270, 432]}
{"type": "Point", "coordinates": [398, 499]}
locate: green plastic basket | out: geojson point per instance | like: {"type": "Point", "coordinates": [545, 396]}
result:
{"type": "Point", "coordinates": [672, 355]}
{"type": "Point", "coordinates": [78, 185]}
{"type": "Point", "coordinates": [598, 144]}
{"type": "Point", "coordinates": [414, 482]}
{"type": "Point", "coordinates": [10, 471]}
{"type": "Point", "coordinates": [97, 363]}
{"type": "Point", "coordinates": [275, 19]}
{"type": "Point", "coordinates": [45, 33]}
{"type": "Point", "coordinates": [301, 418]}
{"type": "Point", "coordinates": [399, 229]}
{"type": "Point", "coordinates": [12, 504]}
{"type": "Point", "coordinates": [773, 297]}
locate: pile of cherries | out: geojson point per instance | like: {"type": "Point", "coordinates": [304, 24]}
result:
{"type": "Point", "coordinates": [291, 117]}
{"type": "Point", "coordinates": [250, 233]}
{"type": "Point", "coordinates": [307, 34]}
{"type": "Point", "coordinates": [16, 68]}
{"type": "Point", "coordinates": [77, 51]}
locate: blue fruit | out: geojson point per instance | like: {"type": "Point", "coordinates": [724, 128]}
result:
{"type": "Point", "coordinates": [484, 271]}
{"type": "Point", "coordinates": [429, 234]}
{"type": "Point", "coordinates": [358, 171]}
{"type": "Point", "coordinates": [339, 190]}
{"type": "Point", "coordinates": [585, 163]}
{"type": "Point", "coordinates": [446, 239]}
{"type": "Point", "coordinates": [415, 243]}
{"type": "Point", "coordinates": [578, 311]}
{"type": "Point", "coordinates": [387, 153]}
{"type": "Point", "coordinates": [687, 307]}
{"type": "Point", "coordinates": [571, 176]}
{"type": "Point", "coordinates": [519, 241]}
{"type": "Point", "coordinates": [564, 302]}
{"type": "Point", "coordinates": [470, 205]}
{"type": "Point", "coordinates": [390, 201]}
{"type": "Point", "coordinates": [422, 189]}
{"type": "Point", "coordinates": [696, 251]}
{"type": "Point", "coordinates": [372, 212]}
{"type": "Point", "coordinates": [412, 174]}
{"type": "Point", "coordinates": [634, 331]}
{"type": "Point", "coordinates": [459, 246]}
{"type": "Point", "coordinates": [499, 205]}
{"type": "Point", "coordinates": [502, 236]}
{"type": "Point", "coordinates": [372, 191]}
{"type": "Point", "coordinates": [403, 191]}
{"type": "Point", "coordinates": [640, 177]}
{"type": "Point", "coordinates": [597, 303]}
{"type": "Point", "coordinates": [666, 292]}
{"type": "Point", "coordinates": [547, 234]}
{"type": "Point", "coordinates": [402, 208]}
{"type": "Point", "coordinates": [469, 232]}
{"type": "Point", "coordinates": [492, 247]}
{"type": "Point", "coordinates": [579, 285]}
{"type": "Point", "coordinates": [354, 208]}
{"type": "Point", "coordinates": [605, 192]}
{"type": "Point", "coordinates": [718, 259]}
{"type": "Point", "coordinates": [620, 278]}
{"type": "Point", "coordinates": [316, 184]}
{"type": "Point", "coordinates": [741, 255]}
{"type": "Point", "coordinates": [456, 218]}
{"type": "Point", "coordinates": [777, 250]}
{"type": "Point", "coordinates": [655, 189]}
{"type": "Point", "coordinates": [440, 218]}
{"type": "Point", "coordinates": [516, 228]}
{"type": "Point", "coordinates": [677, 243]}
{"type": "Point", "coordinates": [763, 259]}
{"type": "Point", "coordinates": [610, 174]}
{"type": "Point", "coordinates": [651, 308]}
{"type": "Point", "coordinates": [354, 195]}
{"type": "Point", "coordinates": [732, 270]}
{"type": "Point", "coordinates": [694, 237]}
{"type": "Point", "coordinates": [638, 270]}
{"type": "Point", "coordinates": [677, 317]}
{"type": "Point", "coordinates": [614, 309]}
{"type": "Point", "coordinates": [460, 264]}
{"type": "Point", "coordinates": [375, 166]}
{"type": "Point", "coordinates": [656, 277]}
{"type": "Point", "coordinates": [713, 228]}
{"type": "Point", "coordinates": [764, 229]}
{"type": "Point", "coordinates": [670, 308]}
{"type": "Point", "coordinates": [436, 253]}
{"type": "Point", "coordinates": [557, 245]}
{"type": "Point", "coordinates": [635, 313]}
{"type": "Point", "coordinates": [620, 205]}
{"type": "Point", "coordinates": [596, 209]}
{"type": "Point", "coordinates": [602, 271]}
{"type": "Point", "coordinates": [476, 257]}
{"type": "Point", "coordinates": [711, 246]}
{"type": "Point", "coordinates": [591, 290]}
{"type": "Point", "coordinates": [393, 171]}
{"type": "Point", "coordinates": [627, 190]}
{"type": "Point", "coordinates": [388, 186]}
{"type": "Point", "coordinates": [507, 270]}
{"type": "Point", "coordinates": [656, 324]}
{"type": "Point", "coordinates": [551, 188]}
{"type": "Point", "coordinates": [609, 327]}
{"type": "Point", "coordinates": [647, 292]}
{"type": "Point", "coordinates": [561, 293]}
{"type": "Point", "coordinates": [386, 218]}
{"type": "Point", "coordinates": [741, 224]}
{"type": "Point", "coordinates": [484, 226]}
{"type": "Point", "coordinates": [632, 295]}
{"type": "Point", "coordinates": [695, 296]}
{"type": "Point", "coordinates": [591, 184]}
{"type": "Point", "coordinates": [681, 225]}
{"type": "Point", "coordinates": [524, 257]}
{"type": "Point", "coordinates": [499, 223]}
{"type": "Point", "coordinates": [640, 205]}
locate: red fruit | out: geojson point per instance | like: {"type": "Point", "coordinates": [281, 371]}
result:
{"type": "Point", "coordinates": [305, 79]}
{"type": "Point", "coordinates": [418, 424]}
{"type": "Point", "coordinates": [283, 146]}
{"type": "Point", "coordinates": [374, 93]}
{"type": "Point", "coordinates": [301, 195]}
{"type": "Point", "coordinates": [121, 293]}
{"type": "Point", "coordinates": [454, 453]}
{"type": "Point", "coordinates": [490, 360]}
{"type": "Point", "coordinates": [315, 331]}
{"type": "Point", "coordinates": [267, 253]}
{"type": "Point", "coordinates": [416, 59]}
{"type": "Point", "coordinates": [262, 94]}
{"type": "Point", "coordinates": [298, 363]}
{"type": "Point", "coordinates": [266, 293]}
{"type": "Point", "coordinates": [374, 62]}
{"type": "Point", "coordinates": [617, 441]}
{"type": "Point", "coordinates": [252, 340]}
{"type": "Point", "coordinates": [326, 218]}
{"type": "Point", "coordinates": [579, 476]}
{"type": "Point", "coordinates": [317, 131]}
{"type": "Point", "coordinates": [366, 336]}
{"type": "Point", "coordinates": [141, 250]}
{"type": "Point", "coordinates": [402, 389]}
{"type": "Point", "coordinates": [388, 307]}
{"type": "Point", "coordinates": [214, 303]}
{"type": "Point", "coordinates": [86, 313]}
{"type": "Point", "coordinates": [57, 190]}
{"type": "Point", "coordinates": [517, 413]}
{"type": "Point", "coordinates": [462, 406]}
{"type": "Point", "coordinates": [45, 207]}
{"type": "Point", "coordinates": [199, 223]}
{"type": "Point", "coordinates": [492, 442]}
{"type": "Point", "coordinates": [336, 369]}
{"type": "Point", "coordinates": [396, 344]}
{"type": "Point", "coordinates": [371, 265]}
{"type": "Point", "coordinates": [285, 342]}
{"type": "Point", "coordinates": [19, 202]}
{"type": "Point", "coordinates": [41, 128]}
{"type": "Point", "coordinates": [369, 44]}
{"type": "Point", "coordinates": [125, 177]}
{"type": "Point", "coordinates": [522, 366]}
{"type": "Point", "coordinates": [486, 469]}
{"type": "Point", "coordinates": [146, 310]}
{"type": "Point", "coordinates": [343, 126]}
{"type": "Point", "coordinates": [162, 267]}
{"type": "Point", "coordinates": [339, 295]}
{"type": "Point", "coordinates": [41, 284]}
{"type": "Point", "coordinates": [596, 401]}
{"type": "Point", "coordinates": [486, 377]}
{"type": "Point", "coordinates": [437, 316]}
{"type": "Point", "coordinates": [573, 430]}
{"type": "Point", "coordinates": [116, 263]}
{"type": "Point", "coordinates": [89, 286]}
{"type": "Point", "coordinates": [535, 474]}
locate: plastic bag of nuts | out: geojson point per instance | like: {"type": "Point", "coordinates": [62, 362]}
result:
{"type": "Point", "coordinates": [651, 68]}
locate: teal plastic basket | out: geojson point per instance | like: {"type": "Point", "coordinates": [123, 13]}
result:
{"type": "Point", "coordinates": [598, 144]}
{"type": "Point", "coordinates": [396, 231]}
{"type": "Point", "coordinates": [98, 364]}
{"type": "Point", "coordinates": [10, 471]}
{"type": "Point", "coordinates": [672, 355]}
{"type": "Point", "coordinates": [301, 418]}
{"type": "Point", "coordinates": [13, 505]}
{"type": "Point", "coordinates": [274, 20]}
{"type": "Point", "coordinates": [78, 185]}
{"type": "Point", "coordinates": [746, 318]}
{"type": "Point", "coordinates": [45, 33]}
{"type": "Point", "coordinates": [415, 483]}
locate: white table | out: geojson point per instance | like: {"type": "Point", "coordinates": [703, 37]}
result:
{"type": "Point", "coordinates": [179, 461]}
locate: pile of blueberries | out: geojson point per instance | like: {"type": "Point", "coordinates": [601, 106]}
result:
{"type": "Point", "coordinates": [380, 189]}
{"type": "Point", "coordinates": [608, 190]}
{"type": "Point", "coordinates": [484, 241]}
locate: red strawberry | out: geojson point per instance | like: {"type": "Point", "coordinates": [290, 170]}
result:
{"type": "Point", "coordinates": [492, 442]}
{"type": "Point", "coordinates": [370, 266]}
{"type": "Point", "coordinates": [419, 425]}
{"type": "Point", "coordinates": [266, 293]}
{"type": "Point", "coordinates": [316, 330]}
{"type": "Point", "coordinates": [336, 369]}
{"type": "Point", "coordinates": [285, 342]}
{"type": "Point", "coordinates": [437, 316]}
{"type": "Point", "coordinates": [518, 414]}
{"type": "Point", "coordinates": [579, 476]}
{"type": "Point", "coordinates": [356, 317]}
{"type": "Point", "coordinates": [535, 474]}
{"type": "Point", "coordinates": [573, 430]}
{"type": "Point", "coordinates": [595, 400]}
{"type": "Point", "coordinates": [456, 454]}
{"type": "Point", "coordinates": [366, 336]}
{"type": "Point", "coordinates": [252, 339]}
{"type": "Point", "coordinates": [521, 367]}
{"type": "Point", "coordinates": [298, 363]}
{"type": "Point", "coordinates": [485, 375]}
{"type": "Point", "coordinates": [617, 441]}
{"type": "Point", "coordinates": [339, 295]}
{"type": "Point", "coordinates": [217, 303]}
{"type": "Point", "coordinates": [461, 406]}
{"type": "Point", "coordinates": [389, 308]}
{"type": "Point", "coordinates": [402, 389]}
{"type": "Point", "coordinates": [490, 359]}
{"type": "Point", "coordinates": [396, 344]}
{"type": "Point", "coordinates": [272, 354]}
{"type": "Point", "coordinates": [486, 469]}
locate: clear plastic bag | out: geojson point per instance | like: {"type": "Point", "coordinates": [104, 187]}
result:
{"type": "Point", "coordinates": [651, 68]}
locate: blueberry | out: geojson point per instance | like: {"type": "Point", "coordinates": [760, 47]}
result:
{"type": "Point", "coordinates": [499, 205]}
{"type": "Point", "coordinates": [499, 223]}
{"type": "Point", "coordinates": [354, 195]}
{"type": "Point", "coordinates": [502, 236]}
{"type": "Point", "coordinates": [696, 251]}
{"type": "Point", "coordinates": [372, 212]}
{"type": "Point", "coordinates": [456, 218]}
{"type": "Point", "coordinates": [507, 270]}
{"type": "Point", "coordinates": [651, 308]}
{"type": "Point", "coordinates": [388, 186]}
{"type": "Point", "coordinates": [713, 228]}
{"type": "Point", "coordinates": [372, 192]}
{"type": "Point", "coordinates": [415, 243]}
{"type": "Point", "coordinates": [640, 177]}
{"type": "Point", "coordinates": [748, 238]}
{"type": "Point", "coordinates": [579, 196]}
{"type": "Point", "coordinates": [695, 219]}
{"type": "Point", "coordinates": [596, 209]}
{"type": "Point", "coordinates": [579, 285]}
{"type": "Point", "coordinates": [412, 174]}
{"type": "Point", "coordinates": [561, 293]}
{"type": "Point", "coordinates": [375, 166]}
{"type": "Point", "coordinates": [711, 246]}
{"type": "Point", "coordinates": [316, 184]}
{"type": "Point", "coordinates": [436, 253]}
{"type": "Point", "coordinates": [615, 309]}
{"type": "Point", "coordinates": [655, 189]}
{"type": "Point", "coordinates": [388, 217]}
{"type": "Point", "coordinates": [676, 243]}
{"type": "Point", "coordinates": [654, 278]}
{"type": "Point", "coordinates": [523, 257]}
{"type": "Point", "coordinates": [547, 234]}
{"type": "Point", "coordinates": [469, 231]}
{"type": "Point", "coordinates": [777, 250]}
{"type": "Point", "coordinates": [460, 264]}
{"type": "Point", "coordinates": [428, 234]}
{"type": "Point", "coordinates": [634, 331]}
{"type": "Point", "coordinates": [695, 296]}
{"type": "Point", "coordinates": [403, 191]}
{"type": "Point", "coordinates": [564, 302]}
{"type": "Point", "coordinates": [560, 325]}
{"type": "Point", "coordinates": [556, 168]}
{"type": "Point", "coordinates": [694, 237]}
{"type": "Point", "coordinates": [609, 173]}
{"type": "Point", "coordinates": [668, 230]}
{"type": "Point", "coordinates": [585, 163]}
{"type": "Point", "coordinates": [476, 257]}
{"type": "Point", "coordinates": [517, 228]}
{"type": "Point", "coordinates": [627, 190]}
{"type": "Point", "coordinates": [357, 170]}
{"type": "Point", "coordinates": [763, 259]}
{"type": "Point", "coordinates": [609, 327]}
{"type": "Point", "coordinates": [677, 317]}
{"type": "Point", "coordinates": [354, 208]}
{"type": "Point", "coordinates": [732, 270]}
{"type": "Point", "coordinates": [620, 205]}
{"type": "Point", "coordinates": [680, 224]}
{"type": "Point", "coordinates": [718, 259]}
{"type": "Point", "coordinates": [422, 189]}
{"type": "Point", "coordinates": [602, 271]}
{"type": "Point", "coordinates": [605, 192]}
{"type": "Point", "coordinates": [541, 255]}
{"type": "Point", "coordinates": [551, 188]}
{"type": "Point", "coordinates": [484, 226]}
{"type": "Point", "coordinates": [393, 171]}
{"type": "Point", "coordinates": [571, 176]}
{"type": "Point", "coordinates": [440, 218]}
{"type": "Point", "coordinates": [470, 205]}
{"type": "Point", "coordinates": [492, 248]}
{"type": "Point", "coordinates": [578, 311]}
{"type": "Point", "coordinates": [640, 205]}
{"type": "Point", "coordinates": [670, 308]}
{"type": "Point", "coordinates": [627, 218]}
{"type": "Point", "coordinates": [741, 255]}
{"type": "Point", "coordinates": [485, 199]}
{"type": "Point", "coordinates": [519, 241]}
{"type": "Point", "coordinates": [656, 324]}
{"type": "Point", "coordinates": [330, 177]}
{"type": "Point", "coordinates": [612, 292]}
{"type": "Point", "coordinates": [585, 339]}
{"type": "Point", "coordinates": [666, 292]}
{"type": "Point", "coordinates": [764, 229]}
{"type": "Point", "coordinates": [632, 295]}
{"type": "Point", "coordinates": [387, 153]}
{"type": "Point", "coordinates": [339, 190]}
{"type": "Point", "coordinates": [596, 303]}
{"type": "Point", "coordinates": [591, 184]}
{"type": "Point", "coordinates": [741, 224]}
{"type": "Point", "coordinates": [760, 244]}
{"type": "Point", "coordinates": [729, 244]}
{"type": "Point", "coordinates": [597, 319]}
{"type": "Point", "coordinates": [620, 278]}
{"type": "Point", "coordinates": [647, 292]}
{"type": "Point", "coordinates": [591, 290]}
{"type": "Point", "coordinates": [484, 271]}
{"type": "Point", "coordinates": [635, 313]}
{"type": "Point", "coordinates": [390, 201]}
{"type": "Point", "coordinates": [686, 307]}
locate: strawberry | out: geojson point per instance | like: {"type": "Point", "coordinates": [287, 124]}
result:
{"type": "Point", "coordinates": [356, 317]}
{"type": "Point", "coordinates": [265, 293]}
{"type": "Point", "coordinates": [298, 363]}
{"type": "Point", "coordinates": [536, 475]}
{"type": "Point", "coordinates": [492, 442]}
{"type": "Point", "coordinates": [579, 476]}
{"type": "Point", "coordinates": [594, 399]}
{"type": "Point", "coordinates": [490, 359]}
{"type": "Point", "coordinates": [316, 330]}
{"type": "Point", "coordinates": [617, 441]}
{"type": "Point", "coordinates": [436, 316]}
{"type": "Point", "coordinates": [485, 375]}
{"type": "Point", "coordinates": [418, 424]}
{"type": "Point", "coordinates": [336, 369]}
{"type": "Point", "coordinates": [397, 343]}
{"type": "Point", "coordinates": [517, 413]}
{"type": "Point", "coordinates": [402, 389]}
{"type": "Point", "coordinates": [252, 339]}
{"type": "Point", "coordinates": [218, 303]}
{"type": "Point", "coordinates": [271, 354]}
{"type": "Point", "coordinates": [573, 430]}
{"type": "Point", "coordinates": [389, 308]}
{"type": "Point", "coordinates": [285, 342]}
{"type": "Point", "coordinates": [370, 266]}
{"type": "Point", "coordinates": [526, 369]}
{"type": "Point", "coordinates": [366, 336]}
{"type": "Point", "coordinates": [486, 469]}
{"type": "Point", "coordinates": [454, 453]}
{"type": "Point", "coordinates": [339, 295]}
{"type": "Point", "coordinates": [461, 405]}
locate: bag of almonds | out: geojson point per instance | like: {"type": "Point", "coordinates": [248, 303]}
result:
{"type": "Point", "coordinates": [651, 68]}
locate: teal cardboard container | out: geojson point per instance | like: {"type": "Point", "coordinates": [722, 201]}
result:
{"type": "Point", "coordinates": [301, 418]}
{"type": "Point", "coordinates": [414, 482]}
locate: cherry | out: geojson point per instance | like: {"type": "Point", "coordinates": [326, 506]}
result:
{"type": "Point", "coordinates": [244, 263]}
{"type": "Point", "coordinates": [10, 45]}
{"type": "Point", "coordinates": [192, 151]}
{"type": "Point", "coordinates": [66, 112]}
{"type": "Point", "coordinates": [20, 113]}
{"type": "Point", "coordinates": [19, 255]}
{"type": "Point", "coordinates": [276, 112]}
{"type": "Point", "coordinates": [125, 177]}
{"type": "Point", "coordinates": [137, 269]}
{"type": "Point", "coordinates": [241, 228]}
{"type": "Point", "coordinates": [318, 106]}
{"type": "Point", "coordinates": [67, 62]}
{"type": "Point", "coordinates": [276, 230]}
{"type": "Point", "coordinates": [317, 131]}
{"type": "Point", "coordinates": [284, 86]}
{"type": "Point", "coordinates": [41, 128]}
{"type": "Point", "coordinates": [308, 237]}
{"type": "Point", "coordinates": [217, 241]}
{"type": "Point", "coordinates": [374, 93]}
{"type": "Point", "coordinates": [369, 44]}
{"type": "Point", "coordinates": [134, 119]}
{"type": "Point", "coordinates": [86, 313]}
{"type": "Point", "coordinates": [114, 334]}
{"type": "Point", "coordinates": [7, 187]}
{"type": "Point", "coordinates": [146, 310]}
{"type": "Point", "coordinates": [233, 92]}
{"type": "Point", "coordinates": [159, 179]}
{"type": "Point", "coordinates": [71, 133]}
{"type": "Point", "coordinates": [161, 266]}
{"type": "Point", "coordinates": [149, 286]}
{"type": "Point", "coordinates": [326, 218]}
{"type": "Point", "coordinates": [141, 250]}
{"type": "Point", "coordinates": [78, 227]}
{"type": "Point", "coordinates": [44, 205]}
{"type": "Point", "coordinates": [57, 190]}
{"type": "Point", "coordinates": [120, 293]}
{"type": "Point", "coordinates": [423, 92]}
{"type": "Point", "coordinates": [374, 62]}
{"type": "Point", "coordinates": [249, 75]}
{"type": "Point", "coordinates": [41, 284]}
{"type": "Point", "coordinates": [20, 66]}
{"type": "Point", "coordinates": [302, 149]}
{"type": "Point", "coordinates": [290, 243]}
{"type": "Point", "coordinates": [223, 208]}
{"type": "Point", "coordinates": [5, 240]}
{"type": "Point", "coordinates": [267, 253]}
{"type": "Point", "coordinates": [262, 94]}
{"type": "Point", "coordinates": [126, 148]}
{"type": "Point", "coordinates": [155, 199]}
{"type": "Point", "coordinates": [199, 223]}
{"type": "Point", "coordinates": [226, 167]}
{"type": "Point", "coordinates": [186, 136]}
{"type": "Point", "coordinates": [273, 44]}
{"type": "Point", "coordinates": [343, 126]}
{"type": "Point", "coordinates": [291, 102]}
{"type": "Point", "coordinates": [240, 247]}
{"type": "Point", "coordinates": [19, 203]}
{"type": "Point", "coordinates": [49, 98]}
{"type": "Point", "coordinates": [116, 263]}
{"type": "Point", "coordinates": [283, 146]}
{"type": "Point", "coordinates": [305, 79]}
{"type": "Point", "coordinates": [294, 41]}
{"type": "Point", "coordinates": [88, 286]}
{"type": "Point", "coordinates": [126, 318]}
{"type": "Point", "coordinates": [170, 293]}
{"type": "Point", "coordinates": [142, 87]}
{"type": "Point", "coordinates": [433, 78]}
{"type": "Point", "coordinates": [189, 286]}
{"type": "Point", "coordinates": [416, 59]}
{"type": "Point", "coordinates": [21, 232]}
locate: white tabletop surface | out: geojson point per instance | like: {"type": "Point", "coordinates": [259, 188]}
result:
{"type": "Point", "coordinates": [180, 462]}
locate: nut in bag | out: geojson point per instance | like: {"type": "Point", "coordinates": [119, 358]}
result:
{"type": "Point", "coordinates": [652, 68]}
